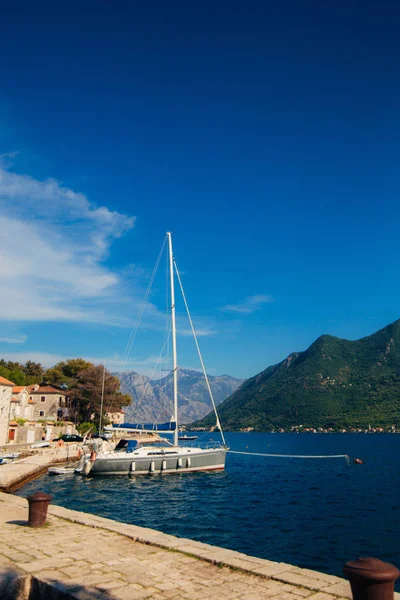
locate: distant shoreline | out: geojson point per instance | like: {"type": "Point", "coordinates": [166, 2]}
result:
{"type": "Point", "coordinates": [303, 432]}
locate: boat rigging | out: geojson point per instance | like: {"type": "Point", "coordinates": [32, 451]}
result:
{"type": "Point", "coordinates": [135, 459]}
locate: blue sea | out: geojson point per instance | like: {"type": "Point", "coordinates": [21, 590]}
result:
{"type": "Point", "coordinates": [312, 513]}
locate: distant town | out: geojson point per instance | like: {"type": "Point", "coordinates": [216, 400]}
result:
{"type": "Point", "coordinates": [302, 429]}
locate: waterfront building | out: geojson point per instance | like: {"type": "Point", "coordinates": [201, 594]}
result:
{"type": "Point", "coordinates": [50, 403]}
{"type": "Point", "coordinates": [116, 417]}
{"type": "Point", "coordinates": [21, 406]}
{"type": "Point", "coordinates": [6, 387]}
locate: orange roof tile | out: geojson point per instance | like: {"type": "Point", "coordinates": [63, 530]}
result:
{"type": "Point", "coordinates": [5, 381]}
{"type": "Point", "coordinates": [14, 399]}
{"type": "Point", "coordinates": [18, 388]}
{"type": "Point", "coordinates": [47, 389]}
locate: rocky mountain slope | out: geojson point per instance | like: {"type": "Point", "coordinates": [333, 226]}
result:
{"type": "Point", "coordinates": [152, 399]}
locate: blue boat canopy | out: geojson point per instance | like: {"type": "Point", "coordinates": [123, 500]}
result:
{"type": "Point", "coordinates": [132, 445]}
{"type": "Point", "coordinates": [170, 426]}
{"type": "Point", "coordinates": [127, 445]}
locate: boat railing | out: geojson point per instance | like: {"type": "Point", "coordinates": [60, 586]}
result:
{"type": "Point", "coordinates": [211, 444]}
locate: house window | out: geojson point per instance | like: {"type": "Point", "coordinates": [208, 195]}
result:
{"type": "Point", "coordinates": [41, 413]}
{"type": "Point", "coordinates": [42, 398]}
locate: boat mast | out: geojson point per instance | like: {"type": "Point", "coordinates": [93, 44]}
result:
{"type": "Point", "coordinates": [174, 353]}
{"type": "Point", "coordinates": [102, 399]}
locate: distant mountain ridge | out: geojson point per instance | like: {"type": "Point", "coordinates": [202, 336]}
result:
{"type": "Point", "coordinates": [334, 383]}
{"type": "Point", "coordinates": [152, 399]}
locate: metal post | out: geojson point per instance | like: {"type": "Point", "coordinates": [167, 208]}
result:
{"type": "Point", "coordinates": [38, 505]}
{"type": "Point", "coordinates": [173, 323]}
{"type": "Point", "coordinates": [371, 579]}
{"type": "Point", "coordinates": [102, 399]}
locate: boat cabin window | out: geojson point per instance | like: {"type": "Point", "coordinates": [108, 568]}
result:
{"type": "Point", "coordinates": [122, 445]}
{"type": "Point", "coordinates": [127, 445]}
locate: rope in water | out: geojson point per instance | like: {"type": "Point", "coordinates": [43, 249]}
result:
{"type": "Point", "coordinates": [345, 456]}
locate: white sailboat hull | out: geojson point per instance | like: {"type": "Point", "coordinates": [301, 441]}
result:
{"type": "Point", "coordinates": [178, 460]}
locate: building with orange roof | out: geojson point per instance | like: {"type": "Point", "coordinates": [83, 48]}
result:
{"type": "Point", "coordinates": [6, 387]}
{"type": "Point", "coordinates": [116, 417]}
{"type": "Point", "coordinates": [21, 406]}
{"type": "Point", "coordinates": [4, 381]}
{"type": "Point", "coordinates": [50, 403]}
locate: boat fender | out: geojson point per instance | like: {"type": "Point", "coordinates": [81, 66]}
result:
{"type": "Point", "coordinates": [164, 465]}
{"type": "Point", "coordinates": [93, 456]}
{"type": "Point", "coordinates": [87, 467]}
{"type": "Point", "coordinates": [179, 462]}
{"type": "Point", "coordinates": [152, 466]}
{"type": "Point", "coordinates": [189, 462]}
{"type": "Point", "coordinates": [132, 467]}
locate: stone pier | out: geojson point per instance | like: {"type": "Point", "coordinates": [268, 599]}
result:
{"type": "Point", "coordinates": [19, 472]}
{"type": "Point", "coordinates": [82, 556]}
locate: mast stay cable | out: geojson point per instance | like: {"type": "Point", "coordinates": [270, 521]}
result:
{"type": "Point", "coordinates": [218, 423]}
{"type": "Point", "coordinates": [143, 306]}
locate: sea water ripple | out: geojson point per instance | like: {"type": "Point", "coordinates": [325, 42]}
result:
{"type": "Point", "coordinates": [312, 513]}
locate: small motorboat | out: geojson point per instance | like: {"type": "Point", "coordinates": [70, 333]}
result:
{"type": "Point", "coordinates": [61, 470]}
{"type": "Point", "coordinates": [7, 458]}
{"type": "Point", "coordinates": [187, 438]}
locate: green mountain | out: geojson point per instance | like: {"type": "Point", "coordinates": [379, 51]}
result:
{"type": "Point", "coordinates": [334, 383]}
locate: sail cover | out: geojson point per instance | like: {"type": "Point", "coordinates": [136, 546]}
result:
{"type": "Point", "coordinates": [170, 426]}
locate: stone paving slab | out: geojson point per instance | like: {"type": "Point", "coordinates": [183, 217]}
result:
{"type": "Point", "coordinates": [88, 557]}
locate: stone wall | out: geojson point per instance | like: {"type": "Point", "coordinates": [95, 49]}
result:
{"type": "Point", "coordinates": [5, 403]}
{"type": "Point", "coordinates": [30, 433]}
{"type": "Point", "coordinates": [47, 408]}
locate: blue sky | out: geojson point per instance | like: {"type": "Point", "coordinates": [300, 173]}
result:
{"type": "Point", "coordinates": [266, 136]}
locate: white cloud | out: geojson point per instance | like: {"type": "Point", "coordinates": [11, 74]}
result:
{"type": "Point", "coordinates": [53, 249]}
{"type": "Point", "coordinates": [201, 332]}
{"type": "Point", "coordinates": [53, 242]}
{"type": "Point", "coordinates": [16, 339]}
{"type": "Point", "coordinates": [250, 304]}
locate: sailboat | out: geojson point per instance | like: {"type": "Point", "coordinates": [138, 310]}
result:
{"type": "Point", "coordinates": [130, 457]}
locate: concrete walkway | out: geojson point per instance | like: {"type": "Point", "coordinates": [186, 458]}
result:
{"type": "Point", "coordinates": [19, 472]}
{"type": "Point", "coordinates": [85, 557]}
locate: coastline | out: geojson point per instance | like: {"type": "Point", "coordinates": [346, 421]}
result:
{"type": "Point", "coordinates": [86, 556]}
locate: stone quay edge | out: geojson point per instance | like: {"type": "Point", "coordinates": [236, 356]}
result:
{"type": "Point", "coordinates": [82, 556]}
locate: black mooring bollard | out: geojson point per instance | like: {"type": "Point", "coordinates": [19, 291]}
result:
{"type": "Point", "coordinates": [371, 579]}
{"type": "Point", "coordinates": [38, 505]}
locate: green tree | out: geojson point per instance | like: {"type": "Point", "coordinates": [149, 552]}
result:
{"type": "Point", "coordinates": [33, 371]}
{"type": "Point", "coordinates": [17, 376]}
{"type": "Point", "coordinates": [65, 371]}
{"type": "Point", "coordinates": [87, 391]}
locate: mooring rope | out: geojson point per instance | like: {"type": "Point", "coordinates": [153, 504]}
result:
{"type": "Point", "coordinates": [345, 456]}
